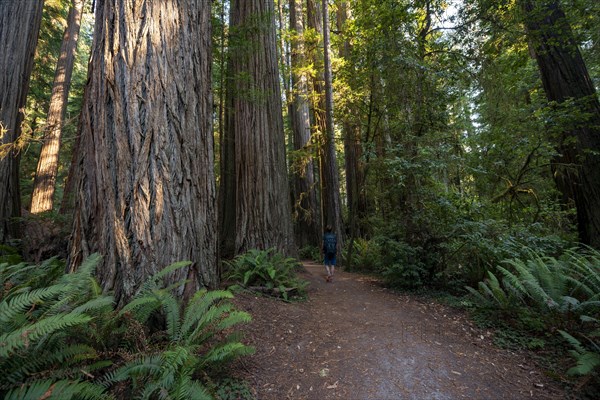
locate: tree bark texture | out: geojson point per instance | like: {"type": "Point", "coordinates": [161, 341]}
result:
{"type": "Point", "coordinates": [19, 28]}
{"type": "Point", "coordinates": [330, 181]}
{"type": "Point", "coordinates": [565, 77]}
{"type": "Point", "coordinates": [146, 190]}
{"type": "Point", "coordinates": [47, 168]}
{"type": "Point", "coordinates": [256, 210]}
{"type": "Point", "coordinates": [307, 227]}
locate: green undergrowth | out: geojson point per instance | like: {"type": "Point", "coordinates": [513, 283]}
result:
{"type": "Point", "coordinates": [268, 272]}
{"type": "Point", "coordinates": [63, 338]}
{"type": "Point", "coordinates": [312, 253]}
{"type": "Point", "coordinates": [549, 304]}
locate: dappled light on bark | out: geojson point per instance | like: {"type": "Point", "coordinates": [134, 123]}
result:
{"type": "Point", "coordinates": [146, 195]}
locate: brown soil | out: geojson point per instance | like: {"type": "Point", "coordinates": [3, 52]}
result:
{"type": "Point", "coordinates": [353, 339]}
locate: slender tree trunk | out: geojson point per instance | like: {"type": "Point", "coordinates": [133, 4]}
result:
{"type": "Point", "coordinates": [305, 197]}
{"type": "Point", "coordinates": [146, 190]}
{"type": "Point", "coordinates": [255, 208]}
{"type": "Point", "coordinates": [332, 179]}
{"type": "Point", "coordinates": [323, 112]}
{"type": "Point", "coordinates": [47, 168]}
{"type": "Point", "coordinates": [19, 28]}
{"type": "Point", "coordinates": [565, 79]}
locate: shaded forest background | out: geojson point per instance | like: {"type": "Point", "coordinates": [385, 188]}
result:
{"type": "Point", "coordinates": [438, 138]}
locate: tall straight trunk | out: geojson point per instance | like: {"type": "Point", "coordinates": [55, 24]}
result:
{"type": "Point", "coordinates": [323, 114]}
{"type": "Point", "coordinates": [331, 183]}
{"type": "Point", "coordinates": [255, 207]}
{"type": "Point", "coordinates": [353, 151]}
{"type": "Point", "coordinates": [47, 168]}
{"type": "Point", "coordinates": [19, 28]}
{"type": "Point", "coordinates": [305, 197]}
{"type": "Point", "coordinates": [565, 78]}
{"type": "Point", "coordinates": [146, 190]}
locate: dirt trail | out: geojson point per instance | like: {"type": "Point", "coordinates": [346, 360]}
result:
{"type": "Point", "coordinates": [354, 339]}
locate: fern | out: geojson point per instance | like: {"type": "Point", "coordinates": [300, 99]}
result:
{"type": "Point", "coordinates": [266, 269]}
{"type": "Point", "coordinates": [19, 367]}
{"type": "Point", "coordinates": [58, 390]}
{"type": "Point", "coordinates": [587, 360]}
{"type": "Point", "coordinates": [11, 307]}
{"type": "Point", "coordinates": [31, 333]}
{"type": "Point", "coordinates": [197, 308]}
{"type": "Point", "coordinates": [226, 352]}
{"type": "Point", "coordinates": [61, 328]}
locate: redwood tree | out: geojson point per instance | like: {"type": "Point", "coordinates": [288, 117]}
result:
{"type": "Point", "coordinates": [146, 191]}
{"type": "Point", "coordinates": [323, 110]}
{"type": "Point", "coordinates": [19, 29]}
{"type": "Point", "coordinates": [47, 168]}
{"type": "Point", "coordinates": [305, 209]}
{"type": "Point", "coordinates": [255, 201]}
{"type": "Point", "coordinates": [576, 168]}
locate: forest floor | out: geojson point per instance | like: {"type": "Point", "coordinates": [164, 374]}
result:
{"type": "Point", "coordinates": [354, 339]}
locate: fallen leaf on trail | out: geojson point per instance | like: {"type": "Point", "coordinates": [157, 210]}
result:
{"type": "Point", "coordinates": [334, 386]}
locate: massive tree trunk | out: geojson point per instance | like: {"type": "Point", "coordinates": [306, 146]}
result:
{"type": "Point", "coordinates": [255, 206]}
{"type": "Point", "coordinates": [305, 197]}
{"type": "Point", "coordinates": [47, 168]}
{"type": "Point", "coordinates": [323, 111]}
{"type": "Point", "coordinates": [146, 190]}
{"type": "Point", "coordinates": [565, 78]}
{"type": "Point", "coordinates": [19, 29]}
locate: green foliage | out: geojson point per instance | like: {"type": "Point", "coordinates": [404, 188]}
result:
{"type": "Point", "coordinates": [538, 294]}
{"type": "Point", "coordinates": [401, 265]}
{"type": "Point", "coordinates": [312, 253]}
{"type": "Point", "coordinates": [587, 357]}
{"type": "Point", "coordinates": [408, 269]}
{"type": "Point", "coordinates": [266, 270]}
{"type": "Point", "coordinates": [62, 338]}
{"type": "Point", "coordinates": [190, 342]}
{"type": "Point", "coordinates": [9, 254]}
{"type": "Point", "coordinates": [54, 20]}
{"type": "Point", "coordinates": [568, 285]}
{"type": "Point", "coordinates": [230, 389]}
{"type": "Point", "coordinates": [42, 310]}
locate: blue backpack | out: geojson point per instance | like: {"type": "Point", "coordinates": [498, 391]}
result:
{"type": "Point", "coordinates": [329, 243]}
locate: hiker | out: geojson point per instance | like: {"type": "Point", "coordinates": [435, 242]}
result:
{"type": "Point", "coordinates": [329, 252]}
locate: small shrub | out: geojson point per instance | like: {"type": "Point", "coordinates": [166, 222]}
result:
{"type": "Point", "coordinates": [365, 256]}
{"type": "Point", "coordinates": [408, 271]}
{"type": "Point", "coordinates": [312, 253]}
{"type": "Point", "coordinates": [267, 271]}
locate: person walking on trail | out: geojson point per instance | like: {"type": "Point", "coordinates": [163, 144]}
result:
{"type": "Point", "coordinates": [329, 252]}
